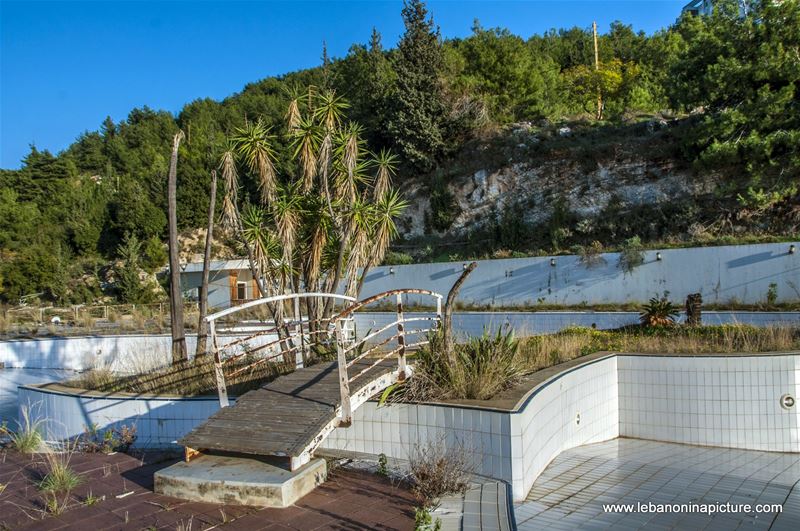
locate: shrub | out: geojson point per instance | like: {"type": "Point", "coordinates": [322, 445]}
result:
{"type": "Point", "coordinates": [398, 258]}
{"type": "Point", "coordinates": [591, 255]}
{"type": "Point", "coordinates": [444, 207]}
{"type": "Point", "coordinates": [658, 312]}
{"type": "Point", "coordinates": [632, 254]}
{"type": "Point", "coordinates": [478, 369]}
{"type": "Point", "coordinates": [438, 470]}
{"type": "Point", "coordinates": [111, 440]}
{"type": "Point", "coordinates": [423, 520]}
{"type": "Point", "coordinates": [772, 294]}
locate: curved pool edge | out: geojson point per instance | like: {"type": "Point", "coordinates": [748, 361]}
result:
{"type": "Point", "coordinates": [707, 400]}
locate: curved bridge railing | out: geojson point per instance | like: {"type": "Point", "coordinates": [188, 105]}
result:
{"type": "Point", "coordinates": [301, 336]}
{"type": "Point", "coordinates": [363, 349]}
{"type": "Point", "coordinates": [297, 335]}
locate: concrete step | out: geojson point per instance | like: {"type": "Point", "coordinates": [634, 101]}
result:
{"type": "Point", "coordinates": [239, 480]}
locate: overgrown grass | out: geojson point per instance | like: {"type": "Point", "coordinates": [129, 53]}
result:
{"type": "Point", "coordinates": [27, 438]}
{"type": "Point", "coordinates": [188, 378]}
{"type": "Point", "coordinates": [59, 476]}
{"type": "Point", "coordinates": [477, 369]}
{"type": "Point", "coordinates": [539, 352]}
{"type": "Point", "coordinates": [483, 367]}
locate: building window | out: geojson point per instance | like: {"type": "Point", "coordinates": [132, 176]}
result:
{"type": "Point", "coordinates": [241, 290]}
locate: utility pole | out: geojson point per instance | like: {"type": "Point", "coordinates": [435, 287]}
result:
{"type": "Point", "coordinates": [599, 114]}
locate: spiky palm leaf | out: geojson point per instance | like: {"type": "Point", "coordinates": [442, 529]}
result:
{"type": "Point", "coordinates": [319, 226]}
{"type": "Point", "coordinates": [386, 163]}
{"type": "Point", "coordinates": [287, 213]}
{"type": "Point", "coordinates": [253, 143]}
{"type": "Point", "coordinates": [293, 114]}
{"type": "Point", "coordinates": [361, 220]}
{"type": "Point", "coordinates": [386, 210]}
{"type": "Point", "coordinates": [329, 109]}
{"type": "Point", "coordinates": [305, 142]}
{"type": "Point", "coordinates": [230, 178]}
{"type": "Point", "coordinates": [266, 249]}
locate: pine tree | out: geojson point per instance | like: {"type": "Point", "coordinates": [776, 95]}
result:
{"type": "Point", "coordinates": [418, 116]}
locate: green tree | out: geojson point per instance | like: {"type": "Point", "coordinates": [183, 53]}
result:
{"type": "Point", "coordinates": [418, 116]}
{"type": "Point", "coordinates": [130, 288]}
{"type": "Point", "coordinates": [744, 72]}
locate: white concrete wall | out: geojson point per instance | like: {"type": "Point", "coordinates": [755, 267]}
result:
{"type": "Point", "coordinates": [159, 421]}
{"type": "Point", "coordinates": [740, 273]}
{"type": "Point", "coordinates": [129, 352]}
{"type": "Point", "coordinates": [732, 402]}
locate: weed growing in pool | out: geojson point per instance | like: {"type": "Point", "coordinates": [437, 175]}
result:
{"type": "Point", "coordinates": [59, 476]}
{"type": "Point", "coordinates": [91, 499]}
{"type": "Point", "coordinates": [423, 520]}
{"type": "Point", "coordinates": [437, 469]}
{"type": "Point", "coordinates": [28, 437]}
{"type": "Point", "coordinates": [383, 469]}
{"type": "Point", "coordinates": [658, 312]}
{"type": "Point", "coordinates": [110, 440]}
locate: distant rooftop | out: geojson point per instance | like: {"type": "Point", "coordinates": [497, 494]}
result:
{"type": "Point", "coordinates": [218, 265]}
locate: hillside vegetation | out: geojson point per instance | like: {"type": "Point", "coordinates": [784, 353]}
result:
{"type": "Point", "coordinates": [501, 143]}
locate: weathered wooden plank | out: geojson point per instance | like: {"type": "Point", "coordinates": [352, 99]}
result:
{"type": "Point", "coordinates": [283, 416]}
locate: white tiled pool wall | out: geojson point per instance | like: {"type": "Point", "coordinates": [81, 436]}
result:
{"type": "Point", "coordinates": [398, 430]}
{"type": "Point", "coordinates": [159, 421]}
{"type": "Point", "coordinates": [718, 401]}
{"type": "Point", "coordinates": [731, 402]}
{"type": "Point", "coordinates": [122, 353]}
{"type": "Point", "coordinates": [548, 424]}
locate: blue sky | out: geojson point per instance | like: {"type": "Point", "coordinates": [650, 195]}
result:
{"type": "Point", "coordinates": [65, 66]}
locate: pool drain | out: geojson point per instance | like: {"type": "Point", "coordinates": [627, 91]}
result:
{"type": "Point", "coordinates": [787, 401]}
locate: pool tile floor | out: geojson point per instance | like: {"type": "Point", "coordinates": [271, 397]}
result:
{"type": "Point", "coordinates": [573, 489]}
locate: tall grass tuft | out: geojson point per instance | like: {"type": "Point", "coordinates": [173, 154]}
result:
{"type": "Point", "coordinates": [477, 369]}
{"type": "Point", "coordinates": [28, 437]}
{"type": "Point", "coordinates": [59, 478]}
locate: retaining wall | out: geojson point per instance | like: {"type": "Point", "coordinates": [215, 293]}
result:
{"type": "Point", "coordinates": [741, 273]}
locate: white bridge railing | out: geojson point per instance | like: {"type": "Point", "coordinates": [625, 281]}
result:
{"type": "Point", "coordinates": [302, 337]}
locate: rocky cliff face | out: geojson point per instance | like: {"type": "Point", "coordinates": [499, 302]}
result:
{"type": "Point", "coordinates": [533, 174]}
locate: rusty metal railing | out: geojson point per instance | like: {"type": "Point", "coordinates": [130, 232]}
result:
{"type": "Point", "coordinates": [364, 350]}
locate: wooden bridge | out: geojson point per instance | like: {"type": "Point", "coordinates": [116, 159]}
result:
{"type": "Point", "coordinates": [290, 416]}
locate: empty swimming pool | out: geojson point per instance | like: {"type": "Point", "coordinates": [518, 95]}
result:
{"type": "Point", "coordinates": [585, 488]}
{"type": "Point", "coordinates": [10, 379]}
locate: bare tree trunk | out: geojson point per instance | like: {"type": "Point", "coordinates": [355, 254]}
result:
{"type": "Point", "coordinates": [447, 318]}
{"type": "Point", "coordinates": [599, 114]}
{"type": "Point", "coordinates": [175, 296]}
{"type": "Point", "coordinates": [363, 276]}
{"type": "Point", "coordinates": [202, 305]}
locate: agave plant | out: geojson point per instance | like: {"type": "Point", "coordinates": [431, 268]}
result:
{"type": "Point", "coordinates": [658, 312]}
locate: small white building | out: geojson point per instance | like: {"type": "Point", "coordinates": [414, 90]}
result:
{"type": "Point", "coordinates": [230, 282]}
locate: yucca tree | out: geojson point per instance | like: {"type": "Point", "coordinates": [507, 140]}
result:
{"type": "Point", "coordinates": [324, 223]}
{"type": "Point", "coordinates": [386, 163]}
{"type": "Point", "coordinates": [384, 230]}
{"type": "Point", "coordinates": [253, 144]}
